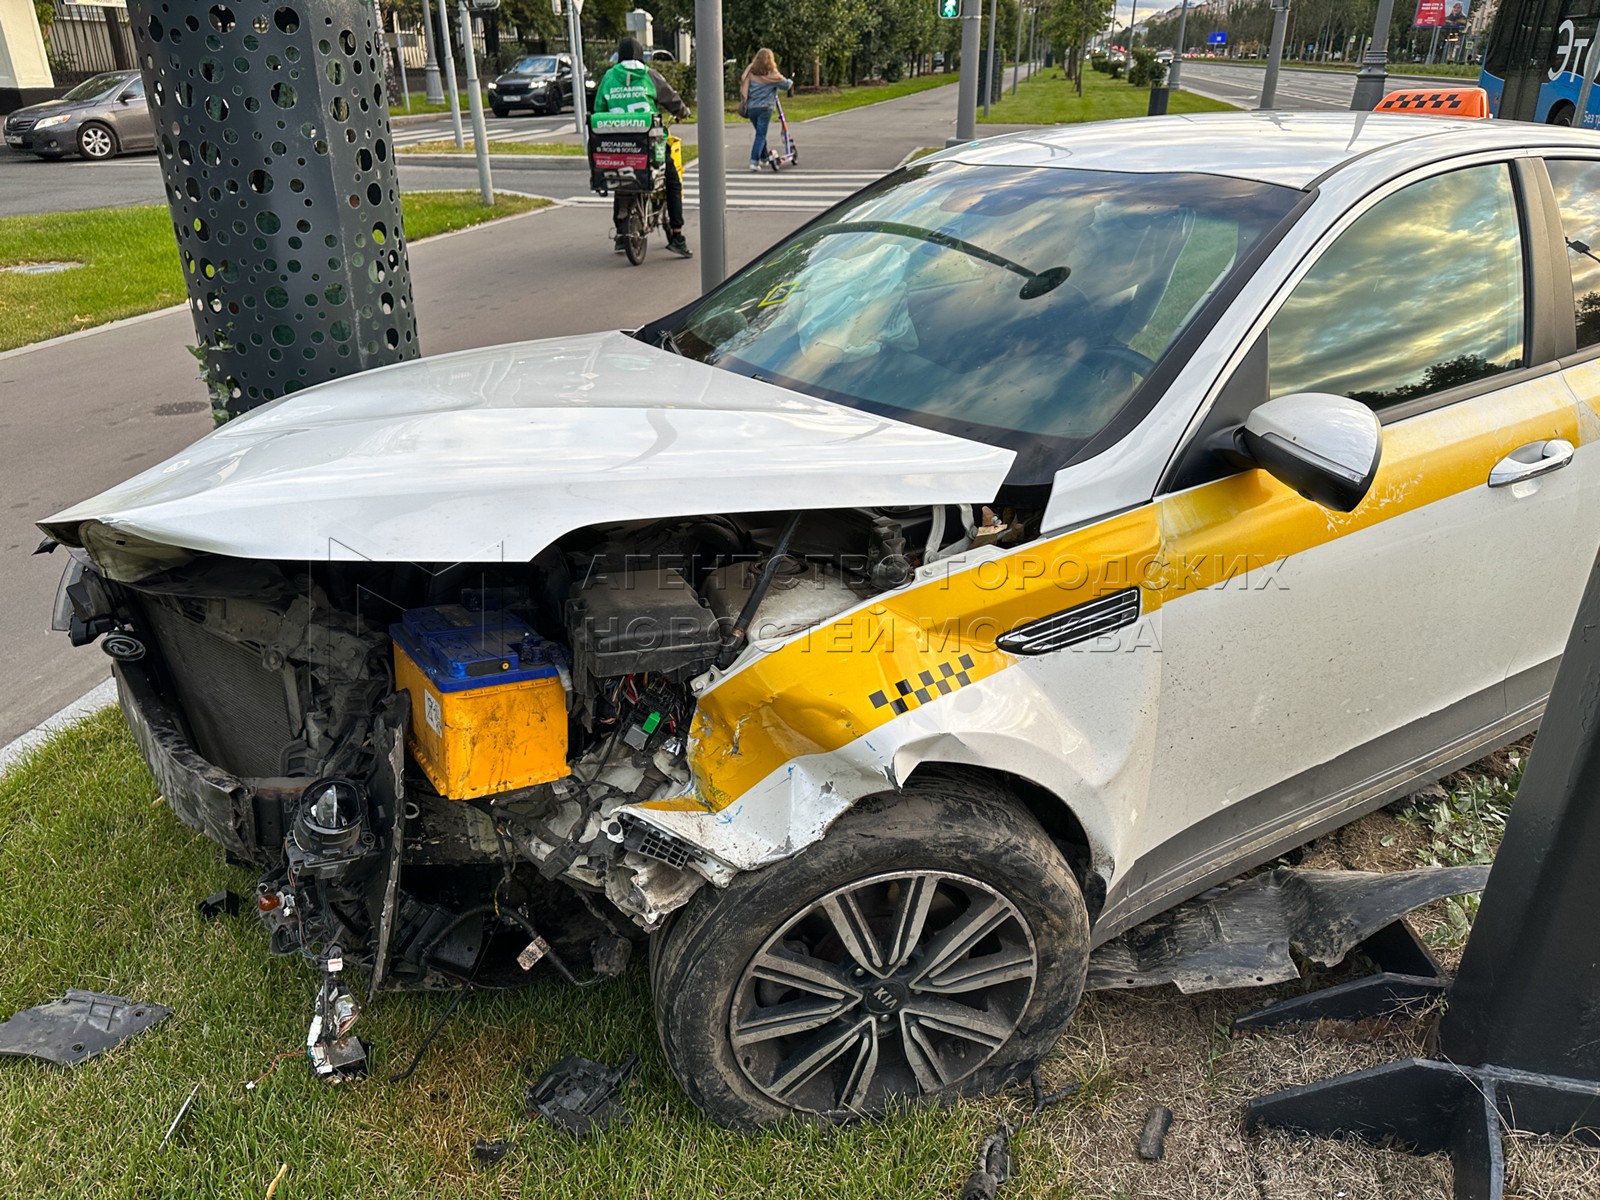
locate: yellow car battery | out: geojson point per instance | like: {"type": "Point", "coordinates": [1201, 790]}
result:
{"type": "Point", "coordinates": [488, 707]}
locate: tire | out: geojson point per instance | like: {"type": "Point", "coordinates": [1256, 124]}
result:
{"type": "Point", "coordinates": [553, 106]}
{"type": "Point", "coordinates": [638, 243]}
{"type": "Point", "coordinates": [794, 153]}
{"type": "Point", "coordinates": [501, 111]}
{"type": "Point", "coordinates": [942, 858]}
{"type": "Point", "coordinates": [96, 142]}
{"type": "Point", "coordinates": [1562, 114]}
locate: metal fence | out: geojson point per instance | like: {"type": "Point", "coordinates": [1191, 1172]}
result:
{"type": "Point", "coordinates": [85, 39]}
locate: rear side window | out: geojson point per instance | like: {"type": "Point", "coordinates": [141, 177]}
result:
{"type": "Point", "coordinates": [1577, 186]}
{"type": "Point", "coordinates": [1422, 293]}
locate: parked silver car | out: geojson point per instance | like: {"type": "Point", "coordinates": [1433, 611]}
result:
{"type": "Point", "coordinates": [100, 118]}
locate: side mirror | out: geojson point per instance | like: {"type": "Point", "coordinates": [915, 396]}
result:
{"type": "Point", "coordinates": [1325, 447]}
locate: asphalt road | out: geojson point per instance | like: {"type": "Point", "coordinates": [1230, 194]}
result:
{"type": "Point", "coordinates": [1297, 90]}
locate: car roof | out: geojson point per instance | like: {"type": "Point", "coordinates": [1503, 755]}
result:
{"type": "Point", "coordinates": [1292, 149]}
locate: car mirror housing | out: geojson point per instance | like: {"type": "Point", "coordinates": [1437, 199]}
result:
{"type": "Point", "coordinates": [1325, 447]}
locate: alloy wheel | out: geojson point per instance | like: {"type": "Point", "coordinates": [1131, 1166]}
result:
{"type": "Point", "coordinates": [95, 142]}
{"type": "Point", "coordinates": [900, 984]}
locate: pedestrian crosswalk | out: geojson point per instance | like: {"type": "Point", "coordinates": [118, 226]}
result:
{"type": "Point", "coordinates": [499, 129]}
{"type": "Point", "coordinates": [793, 188]}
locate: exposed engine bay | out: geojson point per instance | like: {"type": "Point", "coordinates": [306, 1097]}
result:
{"type": "Point", "coordinates": [431, 765]}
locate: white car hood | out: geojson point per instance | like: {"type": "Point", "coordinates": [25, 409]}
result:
{"type": "Point", "coordinates": [490, 455]}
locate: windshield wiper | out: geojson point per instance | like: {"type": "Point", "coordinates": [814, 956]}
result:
{"type": "Point", "coordinates": [1038, 282]}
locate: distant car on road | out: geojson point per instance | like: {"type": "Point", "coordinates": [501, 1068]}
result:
{"type": "Point", "coordinates": [1164, 56]}
{"type": "Point", "coordinates": [100, 118]}
{"type": "Point", "coordinates": [541, 82]}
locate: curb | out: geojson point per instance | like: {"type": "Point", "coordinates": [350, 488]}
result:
{"type": "Point", "coordinates": [102, 696]}
{"type": "Point", "coordinates": [545, 162]}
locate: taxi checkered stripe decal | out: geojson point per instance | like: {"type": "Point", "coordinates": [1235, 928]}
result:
{"type": "Point", "coordinates": [925, 685]}
{"type": "Point", "coordinates": [1433, 100]}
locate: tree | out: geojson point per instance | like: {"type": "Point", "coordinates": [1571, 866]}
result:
{"type": "Point", "coordinates": [1068, 25]}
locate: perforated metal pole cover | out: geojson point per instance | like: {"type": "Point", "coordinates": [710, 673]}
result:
{"type": "Point", "coordinates": [273, 133]}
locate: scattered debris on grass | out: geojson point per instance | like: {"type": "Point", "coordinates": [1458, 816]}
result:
{"type": "Point", "coordinates": [217, 904]}
{"type": "Point", "coordinates": [1153, 1137]}
{"type": "Point", "coordinates": [582, 1096]}
{"type": "Point", "coordinates": [76, 1027]}
{"type": "Point", "coordinates": [183, 1111]}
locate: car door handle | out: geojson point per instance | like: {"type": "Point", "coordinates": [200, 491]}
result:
{"type": "Point", "coordinates": [1531, 461]}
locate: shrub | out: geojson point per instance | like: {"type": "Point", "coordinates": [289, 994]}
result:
{"type": "Point", "coordinates": [1147, 71]}
{"type": "Point", "coordinates": [893, 70]}
{"type": "Point", "coordinates": [681, 76]}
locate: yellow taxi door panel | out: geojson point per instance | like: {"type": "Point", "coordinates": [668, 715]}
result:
{"type": "Point", "coordinates": [1313, 633]}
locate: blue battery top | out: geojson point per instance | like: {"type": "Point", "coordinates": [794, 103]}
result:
{"type": "Point", "coordinates": [459, 650]}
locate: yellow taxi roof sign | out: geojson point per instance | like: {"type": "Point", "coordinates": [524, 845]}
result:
{"type": "Point", "coordinates": [1437, 102]}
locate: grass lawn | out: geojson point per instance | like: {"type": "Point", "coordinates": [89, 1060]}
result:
{"type": "Point", "coordinates": [1048, 99]}
{"type": "Point", "coordinates": [98, 883]}
{"type": "Point", "coordinates": [131, 266]}
{"type": "Point", "coordinates": [550, 149]}
{"type": "Point", "coordinates": [819, 104]}
{"type": "Point", "coordinates": [419, 104]}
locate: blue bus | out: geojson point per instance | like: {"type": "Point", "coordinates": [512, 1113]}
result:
{"type": "Point", "coordinates": [1534, 62]}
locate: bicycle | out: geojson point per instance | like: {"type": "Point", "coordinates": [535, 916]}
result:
{"type": "Point", "coordinates": [628, 154]}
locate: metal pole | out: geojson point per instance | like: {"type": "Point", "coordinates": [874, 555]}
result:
{"type": "Point", "coordinates": [400, 58]}
{"type": "Point", "coordinates": [1133, 19]}
{"type": "Point", "coordinates": [967, 86]}
{"type": "Point", "coordinates": [1373, 77]}
{"type": "Point", "coordinates": [575, 43]}
{"type": "Point", "coordinates": [1591, 63]}
{"type": "Point", "coordinates": [480, 131]}
{"type": "Point", "coordinates": [450, 72]}
{"type": "Point", "coordinates": [1433, 47]}
{"type": "Point", "coordinates": [1177, 59]}
{"type": "Point", "coordinates": [988, 72]}
{"type": "Point", "coordinates": [711, 132]}
{"type": "Point", "coordinates": [432, 88]}
{"type": "Point", "coordinates": [1033, 39]}
{"type": "Point", "coordinates": [1016, 67]}
{"type": "Point", "coordinates": [1269, 86]}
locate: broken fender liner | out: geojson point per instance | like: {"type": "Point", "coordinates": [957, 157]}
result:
{"type": "Point", "coordinates": [1241, 936]}
{"type": "Point", "coordinates": [76, 1027]}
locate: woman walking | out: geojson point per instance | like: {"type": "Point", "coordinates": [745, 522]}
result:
{"type": "Point", "coordinates": [758, 89]}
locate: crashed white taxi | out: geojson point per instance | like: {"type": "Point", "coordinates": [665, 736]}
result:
{"type": "Point", "coordinates": [1059, 526]}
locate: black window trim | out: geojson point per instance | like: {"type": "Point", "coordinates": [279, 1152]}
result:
{"type": "Point", "coordinates": [1567, 307]}
{"type": "Point", "coordinates": [1538, 225]}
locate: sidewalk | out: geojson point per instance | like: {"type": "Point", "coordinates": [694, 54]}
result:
{"type": "Point", "coordinates": [874, 137]}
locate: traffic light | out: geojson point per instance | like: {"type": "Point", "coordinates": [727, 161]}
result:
{"type": "Point", "coordinates": [950, 10]}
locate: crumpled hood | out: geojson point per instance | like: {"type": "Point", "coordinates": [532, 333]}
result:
{"type": "Point", "coordinates": [492, 454]}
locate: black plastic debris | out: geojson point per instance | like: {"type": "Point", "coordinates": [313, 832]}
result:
{"type": "Point", "coordinates": [218, 904]}
{"type": "Point", "coordinates": [582, 1096]}
{"type": "Point", "coordinates": [76, 1027]}
{"type": "Point", "coordinates": [994, 1166]}
{"type": "Point", "coordinates": [487, 1153]}
{"type": "Point", "coordinates": [1240, 936]}
{"type": "Point", "coordinates": [1153, 1137]}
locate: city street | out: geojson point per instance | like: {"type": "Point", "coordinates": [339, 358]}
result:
{"type": "Point", "coordinates": [1297, 90]}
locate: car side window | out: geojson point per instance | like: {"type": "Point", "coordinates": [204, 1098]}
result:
{"type": "Point", "coordinates": [135, 90]}
{"type": "Point", "coordinates": [1422, 293]}
{"type": "Point", "coordinates": [1577, 187]}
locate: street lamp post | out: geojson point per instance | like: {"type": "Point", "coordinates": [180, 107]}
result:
{"type": "Point", "coordinates": [1177, 59]}
{"type": "Point", "coordinates": [988, 70]}
{"type": "Point", "coordinates": [1280, 22]}
{"type": "Point", "coordinates": [1017, 67]}
{"type": "Point", "coordinates": [432, 85]}
{"type": "Point", "coordinates": [711, 133]}
{"type": "Point", "coordinates": [1374, 76]}
{"type": "Point", "coordinates": [967, 88]}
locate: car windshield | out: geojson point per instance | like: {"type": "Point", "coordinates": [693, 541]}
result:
{"type": "Point", "coordinates": [1017, 306]}
{"type": "Point", "coordinates": [99, 85]}
{"type": "Point", "coordinates": [539, 64]}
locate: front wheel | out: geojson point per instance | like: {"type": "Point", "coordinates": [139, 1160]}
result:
{"type": "Point", "coordinates": [638, 240]}
{"type": "Point", "coordinates": [933, 944]}
{"type": "Point", "coordinates": [96, 142]}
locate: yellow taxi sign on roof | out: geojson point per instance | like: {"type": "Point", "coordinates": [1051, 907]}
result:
{"type": "Point", "coordinates": [1437, 102]}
